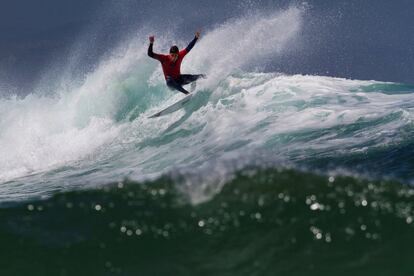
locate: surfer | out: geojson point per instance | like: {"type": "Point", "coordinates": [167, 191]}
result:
{"type": "Point", "coordinates": [171, 65]}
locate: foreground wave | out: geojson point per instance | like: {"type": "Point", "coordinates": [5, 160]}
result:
{"type": "Point", "coordinates": [263, 222]}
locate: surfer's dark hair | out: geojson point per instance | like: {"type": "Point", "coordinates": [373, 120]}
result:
{"type": "Point", "coordinates": [174, 50]}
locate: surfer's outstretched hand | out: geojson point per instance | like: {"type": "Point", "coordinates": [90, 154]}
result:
{"type": "Point", "coordinates": [151, 39]}
{"type": "Point", "coordinates": [197, 34]}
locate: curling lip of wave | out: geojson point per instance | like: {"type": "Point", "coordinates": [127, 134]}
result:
{"type": "Point", "coordinates": [287, 118]}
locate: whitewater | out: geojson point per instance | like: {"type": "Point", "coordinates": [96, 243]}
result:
{"type": "Point", "coordinates": [95, 132]}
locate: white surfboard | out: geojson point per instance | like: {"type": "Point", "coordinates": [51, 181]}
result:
{"type": "Point", "coordinates": [172, 108]}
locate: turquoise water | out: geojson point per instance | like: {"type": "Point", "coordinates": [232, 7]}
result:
{"type": "Point", "coordinates": [263, 119]}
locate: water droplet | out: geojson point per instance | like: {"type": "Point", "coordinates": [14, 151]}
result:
{"type": "Point", "coordinates": [349, 231]}
{"type": "Point", "coordinates": [314, 207]}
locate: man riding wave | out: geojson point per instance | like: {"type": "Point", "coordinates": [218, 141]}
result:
{"type": "Point", "coordinates": [171, 65]}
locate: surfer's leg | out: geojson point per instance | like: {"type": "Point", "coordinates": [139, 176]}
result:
{"type": "Point", "coordinates": [171, 83]}
{"type": "Point", "coordinates": [186, 78]}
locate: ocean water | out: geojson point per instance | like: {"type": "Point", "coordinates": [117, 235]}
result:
{"type": "Point", "coordinates": [262, 173]}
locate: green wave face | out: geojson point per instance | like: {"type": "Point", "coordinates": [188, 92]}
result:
{"type": "Point", "coordinates": [264, 222]}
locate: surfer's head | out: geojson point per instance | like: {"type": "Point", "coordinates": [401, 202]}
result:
{"type": "Point", "coordinates": [174, 52]}
{"type": "Point", "coordinates": [174, 49]}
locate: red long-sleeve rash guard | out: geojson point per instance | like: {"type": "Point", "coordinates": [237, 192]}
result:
{"type": "Point", "coordinates": [171, 69]}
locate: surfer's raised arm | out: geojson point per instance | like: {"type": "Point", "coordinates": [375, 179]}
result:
{"type": "Point", "coordinates": [193, 42]}
{"type": "Point", "coordinates": [150, 51]}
